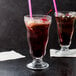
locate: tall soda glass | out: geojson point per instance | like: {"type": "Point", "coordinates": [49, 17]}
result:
{"type": "Point", "coordinates": [37, 36]}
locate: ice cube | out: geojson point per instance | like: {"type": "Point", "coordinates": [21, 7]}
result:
{"type": "Point", "coordinates": [72, 14]}
{"type": "Point", "coordinates": [60, 14]}
{"type": "Point", "coordinates": [38, 21]}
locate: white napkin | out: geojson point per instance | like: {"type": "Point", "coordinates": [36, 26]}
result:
{"type": "Point", "coordinates": [10, 55]}
{"type": "Point", "coordinates": [57, 53]}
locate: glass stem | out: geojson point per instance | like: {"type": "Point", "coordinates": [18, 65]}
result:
{"type": "Point", "coordinates": [37, 62]}
{"type": "Point", "coordinates": [64, 48]}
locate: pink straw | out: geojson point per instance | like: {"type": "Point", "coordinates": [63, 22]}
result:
{"type": "Point", "coordinates": [30, 8]}
{"type": "Point", "coordinates": [55, 7]}
{"type": "Point", "coordinates": [54, 2]}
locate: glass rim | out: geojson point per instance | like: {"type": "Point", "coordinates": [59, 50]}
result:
{"type": "Point", "coordinates": [65, 11]}
{"type": "Point", "coordinates": [38, 15]}
{"type": "Point", "coordinates": [72, 13]}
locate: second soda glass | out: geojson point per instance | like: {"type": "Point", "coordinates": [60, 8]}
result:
{"type": "Point", "coordinates": [65, 25]}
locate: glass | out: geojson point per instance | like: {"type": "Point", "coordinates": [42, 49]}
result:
{"type": "Point", "coordinates": [65, 24]}
{"type": "Point", "coordinates": [37, 35]}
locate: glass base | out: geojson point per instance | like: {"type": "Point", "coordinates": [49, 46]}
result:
{"type": "Point", "coordinates": [63, 53]}
{"type": "Point", "coordinates": [37, 64]}
{"type": "Point", "coordinates": [60, 53]}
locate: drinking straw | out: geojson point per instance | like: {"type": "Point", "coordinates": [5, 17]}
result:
{"type": "Point", "coordinates": [55, 7]}
{"type": "Point", "coordinates": [30, 8]}
{"type": "Point", "coordinates": [49, 11]}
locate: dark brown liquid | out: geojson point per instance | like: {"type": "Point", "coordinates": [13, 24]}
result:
{"type": "Point", "coordinates": [65, 29]}
{"type": "Point", "coordinates": [37, 38]}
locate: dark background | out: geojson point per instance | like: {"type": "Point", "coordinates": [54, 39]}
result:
{"type": "Point", "coordinates": [12, 27]}
{"type": "Point", "coordinates": [13, 36]}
